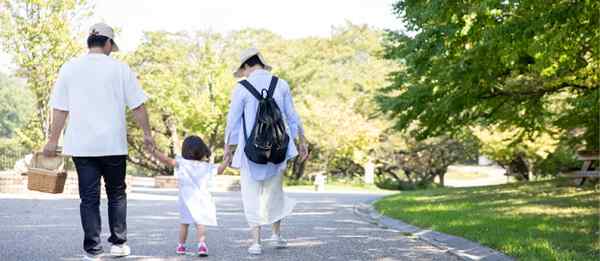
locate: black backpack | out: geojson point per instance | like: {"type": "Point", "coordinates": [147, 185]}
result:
{"type": "Point", "coordinates": [268, 141]}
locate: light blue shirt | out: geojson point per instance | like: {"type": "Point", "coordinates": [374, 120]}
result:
{"type": "Point", "coordinates": [242, 102]}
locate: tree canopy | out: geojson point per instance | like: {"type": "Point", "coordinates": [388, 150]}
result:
{"type": "Point", "coordinates": [528, 67]}
{"type": "Point", "coordinates": [40, 37]}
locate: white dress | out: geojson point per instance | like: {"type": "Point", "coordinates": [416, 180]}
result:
{"type": "Point", "coordinates": [261, 185]}
{"type": "Point", "coordinates": [196, 204]}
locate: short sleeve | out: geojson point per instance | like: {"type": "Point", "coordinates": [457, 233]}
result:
{"type": "Point", "coordinates": [60, 93]}
{"type": "Point", "coordinates": [134, 95]}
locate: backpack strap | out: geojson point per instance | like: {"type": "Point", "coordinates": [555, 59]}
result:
{"type": "Point", "coordinates": [251, 89]}
{"type": "Point", "coordinates": [272, 86]}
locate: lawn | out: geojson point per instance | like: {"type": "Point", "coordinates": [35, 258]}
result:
{"type": "Point", "coordinates": [533, 221]}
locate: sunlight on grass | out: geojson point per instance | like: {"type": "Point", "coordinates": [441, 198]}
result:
{"type": "Point", "coordinates": [531, 221]}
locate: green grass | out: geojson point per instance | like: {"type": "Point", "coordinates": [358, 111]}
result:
{"type": "Point", "coordinates": [530, 221]}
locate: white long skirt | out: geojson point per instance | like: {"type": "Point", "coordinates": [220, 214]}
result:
{"type": "Point", "coordinates": [264, 201]}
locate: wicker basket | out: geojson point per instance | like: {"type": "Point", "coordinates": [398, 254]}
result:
{"type": "Point", "coordinates": [46, 174]}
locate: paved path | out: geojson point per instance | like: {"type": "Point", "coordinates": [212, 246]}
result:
{"type": "Point", "coordinates": [323, 227]}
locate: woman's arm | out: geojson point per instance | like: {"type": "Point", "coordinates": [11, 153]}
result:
{"type": "Point", "coordinates": [234, 117]}
{"type": "Point", "coordinates": [223, 166]}
{"type": "Point", "coordinates": [294, 123]}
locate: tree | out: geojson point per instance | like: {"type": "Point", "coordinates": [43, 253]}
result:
{"type": "Point", "coordinates": [518, 158]}
{"type": "Point", "coordinates": [16, 106]}
{"type": "Point", "coordinates": [418, 163]}
{"type": "Point", "coordinates": [189, 85]}
{"type": "Point", "coordinates": [40, 38]}
{"type": "Point", "coordinates": [333, 80]}
{"type": "Point", "coordinates": [527, 66]}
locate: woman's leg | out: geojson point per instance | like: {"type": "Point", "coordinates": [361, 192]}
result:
{"type": "Point", "coordinates": [200, 233]}
{"type": "Point", "coordinates": [255, 234]}
{"type": "Point", "coordinates": [183, 233]}
{"type": "Point", "coordinates": [279, 241]}
{"type": "Point", "coordinates": [277, 228]}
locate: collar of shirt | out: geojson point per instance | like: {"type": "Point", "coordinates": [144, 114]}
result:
{"type": "Point", "coordinates": [258, 72]}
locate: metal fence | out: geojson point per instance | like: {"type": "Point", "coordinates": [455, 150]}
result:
{"type": "Point", "coordinates": [8, 160]}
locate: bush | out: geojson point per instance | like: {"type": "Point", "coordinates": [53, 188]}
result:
{"type": "Point", "coordinates": [563, 159]}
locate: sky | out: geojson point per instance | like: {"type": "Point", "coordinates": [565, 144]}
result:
{"type": "Point", "coordinates": [289, 18]}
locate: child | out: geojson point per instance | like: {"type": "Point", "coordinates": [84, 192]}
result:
{"type": "Point", "coordinates": [196, 205]}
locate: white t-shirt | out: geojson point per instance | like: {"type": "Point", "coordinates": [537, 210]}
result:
{"type": "Point", "coordinates": [96, 90]}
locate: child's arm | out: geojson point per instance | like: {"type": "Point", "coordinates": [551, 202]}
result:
{"type": "Point", "coordinates": [164, 158]}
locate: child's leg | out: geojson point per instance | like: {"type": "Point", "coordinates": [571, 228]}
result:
{"type": "Point", "coordinates": [183, 233]}
{"type": "Point", "coordinates": [200, 233]}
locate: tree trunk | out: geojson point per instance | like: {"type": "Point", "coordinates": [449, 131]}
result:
{"type": "Point", "coordinates": [520, 167]}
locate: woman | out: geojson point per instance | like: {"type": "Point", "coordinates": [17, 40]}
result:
{"type": "Point", "coordinates": [261, 184]}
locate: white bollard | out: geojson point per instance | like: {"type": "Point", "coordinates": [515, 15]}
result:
{"type": "Point", "coordinates": [369, 173]}
{"type": "Point", "coordinates": [320, 182]}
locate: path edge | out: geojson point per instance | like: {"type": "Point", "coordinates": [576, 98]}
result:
{"type": "Point", "coordinates": [457, 246]}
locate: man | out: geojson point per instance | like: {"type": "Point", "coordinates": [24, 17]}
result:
{"type": "Point", "coordinates": [261, 184]}
{"type": "Point", "coordinates": [93, 91]}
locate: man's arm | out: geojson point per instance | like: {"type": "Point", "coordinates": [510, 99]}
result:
{"type": "Point", "coordinates": [140, 114]}
{"type": "Point", "coordinates": [59, 118]}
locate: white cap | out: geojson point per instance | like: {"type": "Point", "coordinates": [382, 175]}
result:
{"type": "Point", "coordinates": [247, 54]}
{"type": "Point", "coordinates": [104, 30]}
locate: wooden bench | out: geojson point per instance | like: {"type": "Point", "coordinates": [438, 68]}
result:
{"type": "Point", "coordinates": [586, 172]}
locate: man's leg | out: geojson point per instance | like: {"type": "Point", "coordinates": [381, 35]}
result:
{"type": "Point", "coordinates": [88, 173]}
{"type": "Point", "coordinates": [114, 168]}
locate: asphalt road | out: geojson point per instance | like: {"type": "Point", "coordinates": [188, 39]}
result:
{"type": "Point", "coordinates": [323, 227]}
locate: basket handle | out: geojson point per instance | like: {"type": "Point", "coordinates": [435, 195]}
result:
{"type": "Point", "coordinates": [61, 167]}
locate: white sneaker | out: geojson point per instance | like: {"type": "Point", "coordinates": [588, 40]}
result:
{"type": "Point", "coordinates": [90, 257]}
{"type": "Point", "coordinates": [278, 242]}
{"type": "Point", "coordinates": [255, 249]}
{"type": "Point", "coordinates": [120, 250]}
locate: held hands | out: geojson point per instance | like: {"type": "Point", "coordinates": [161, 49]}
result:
{"type": "Point", "coordinates": [225, 164]}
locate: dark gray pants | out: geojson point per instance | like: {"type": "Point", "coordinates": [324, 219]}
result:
{"type": "Point", "coordinates": [89, 171]}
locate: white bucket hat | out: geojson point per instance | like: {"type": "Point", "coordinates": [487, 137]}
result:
{"type": "Point", "coordinates": [105, 30]}
{"type": "Point", "coordinates": [247, 54]}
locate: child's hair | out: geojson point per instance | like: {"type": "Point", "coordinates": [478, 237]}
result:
{"type": "Point", "coordinates": [194, 148]}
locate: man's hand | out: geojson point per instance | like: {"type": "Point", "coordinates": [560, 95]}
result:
{"type": "Point", "coordinates": [58, 123]}
{"type": "Point", "coordinates": [51, 149]}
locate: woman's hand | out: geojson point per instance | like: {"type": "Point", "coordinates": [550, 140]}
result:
{"type": "Point", "coordinates": [303, 149]}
